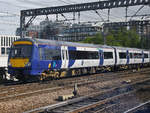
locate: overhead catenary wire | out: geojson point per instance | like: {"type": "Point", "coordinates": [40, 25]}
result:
{"type": "Point", "coordinates": [70, 1]}
{"type": "Point", "coordinates": [137, 11]}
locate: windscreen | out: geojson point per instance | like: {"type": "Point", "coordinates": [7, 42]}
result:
{"type": "Point", "coordinates": [21, 51]}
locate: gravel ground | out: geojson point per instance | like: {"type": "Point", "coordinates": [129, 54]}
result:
{"type": "Point", "coordinates": [39, 100]}
{"type": "Point", "coordinates": [130, 101]}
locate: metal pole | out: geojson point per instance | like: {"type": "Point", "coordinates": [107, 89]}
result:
{"type": "Point", "coordinates": [78, 17]}
{"type": "Point", "coordinates": [108, 15]}
{"type": "Point", "coordinates": [126, 14]}
{"type": "Point", "coordinates": [103, 34]}
{"type": "Point", "coordinates": [22, 25]}
{"type": "Point", "coordinates": [74, 17]}
{"type": "Point", "coordinates": [56, 17]}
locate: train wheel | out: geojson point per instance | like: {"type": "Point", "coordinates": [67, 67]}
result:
{"type": "Point", "coordinates": [73, 72]}
{"type": "Point", "coordinates": [63, 74]}
{"type": "Point", "coordinates": [57, 75]}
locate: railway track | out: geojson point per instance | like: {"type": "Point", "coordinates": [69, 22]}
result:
{"type": "Point", "coordinates": [35, 95]}
{"type": "Point", "coordinates": [16, 94]}
{"type": "Point", "coordinates": [110, 75]}
{"type": "Point", "coordinates": [95, 102]}
{"type": "Point", "coordinates": [142, 108]}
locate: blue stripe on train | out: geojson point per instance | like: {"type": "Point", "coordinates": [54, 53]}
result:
{"type": "Point", "coordinates": [101, 53]}
{"type": "Point", "coordinates": [71, 62]}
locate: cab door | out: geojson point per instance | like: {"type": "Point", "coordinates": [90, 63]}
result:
{"type": "Point", "coordinates": [64, 57]}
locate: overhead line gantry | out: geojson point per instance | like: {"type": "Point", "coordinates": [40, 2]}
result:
{"type": "Point", "coordinates": [75, 8]}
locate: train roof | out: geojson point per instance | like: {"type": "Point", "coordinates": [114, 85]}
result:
{"type": "Point", "coordinates": [127, 48]}
{"type": "Point", "coordinates": [61, 43]}
{"type": "Point", "coordinates": [72, 44]}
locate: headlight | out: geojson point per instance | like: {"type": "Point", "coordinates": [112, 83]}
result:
{"type": "Point", "coordinates": [9, 64]}
{"type": "Point", "coordinates": [28, 64]}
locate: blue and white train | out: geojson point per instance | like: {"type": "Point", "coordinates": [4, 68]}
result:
{"type": "Point", "coordinates": [30, 58]}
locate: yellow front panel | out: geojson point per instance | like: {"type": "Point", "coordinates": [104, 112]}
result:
{"type": "Point", "coordinates": [22, 43]}
{"type": "Point", "coordinates": [19, 62]}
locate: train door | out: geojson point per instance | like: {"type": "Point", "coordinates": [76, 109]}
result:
{"type": "Point", "coordinates": [128, 57]}
{"type": "Point", "coordinates": [64, 57]}
{"type": "Point", "coordinates": [115, 56]}
{"type": "Point", "coordinates": [142, 56]}
{"type": "Point", "coordinates": [101, 53]}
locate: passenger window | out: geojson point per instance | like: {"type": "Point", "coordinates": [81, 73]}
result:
{"type": "Point", "coordinates": [108, 55]}
{"type": "Point", "coordinates": [72, 55]}
{"type": "Point", "coordinates": [131, 55]}
{"type": "Point", "coordinates": [83, 55]}
{"type": "Point", "coordinates": [137, 55]}
{"type": "Point", "coordinates": [145, 55]}
{"type": "Point", "coordinates": [66, 55]}
{"type": "Point", "coordinates": [63, 55]}
{"type": "Point", "coordinates": [122, 55]}
{"type": "Point", "coordinates": [49, 54]}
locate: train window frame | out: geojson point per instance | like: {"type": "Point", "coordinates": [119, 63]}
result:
{"type": "Point", "coordinates": [107, 55]}
{"type": "Point", "coordinates": [131, 55]}
{"type": "Point", "coordinates": [122, 55]}
{"type": "Point", "coordinates": [67, 55]}
{"type": "Point", "coordinates": [83, 55]}
{"type": "Point", "coordinates": [146, 55]}
{"type": "Point", "coordinates": [138, 55]}
{"type": "Point", "coordinates": [21, 51]}
{"type": "Point", "coordinates": [63, 55]}
{"type": "Point", "coordinates": [48, 54]}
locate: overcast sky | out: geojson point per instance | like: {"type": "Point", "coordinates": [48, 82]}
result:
{"type": "Point", "coordinates": [10, 12]}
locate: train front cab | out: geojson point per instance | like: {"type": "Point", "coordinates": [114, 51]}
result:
{"type": "Point", "coordinates": [20, 59]}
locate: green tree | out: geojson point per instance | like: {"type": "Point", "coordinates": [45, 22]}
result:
{"type": "Point", "coordinates": [134, 38]}
{"type": "Point", "coordinates": [123, 37]}
{"type": "Point", "coordinates": [97, 39]}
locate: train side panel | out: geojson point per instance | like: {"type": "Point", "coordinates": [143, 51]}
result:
{"type": "Point", "coordinates": [109, 57]}
{"type": "Point", "coordinates": [78, 58]}
{"type": "Point", "coordinates": [121, 56]}
{"type": "Point", "coordinates": [146, 57]}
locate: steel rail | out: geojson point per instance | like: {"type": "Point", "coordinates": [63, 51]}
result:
{"type": "Point", "coordinates": [79, 82]}
{"type": "Point", "coordinates": [55, 106]}
{"type": "Point", "coordinates": [137, 107]}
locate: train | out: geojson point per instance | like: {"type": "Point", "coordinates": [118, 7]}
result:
{"type": "Point", "coordinates": [5, 44]}
{"type": "Point", "coordinates": [31, 58]}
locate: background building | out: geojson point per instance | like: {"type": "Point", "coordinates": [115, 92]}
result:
{"type": "Point", "coordinates": [61, 31]}
{"type": "Point", "coordinates": [5, 44]}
